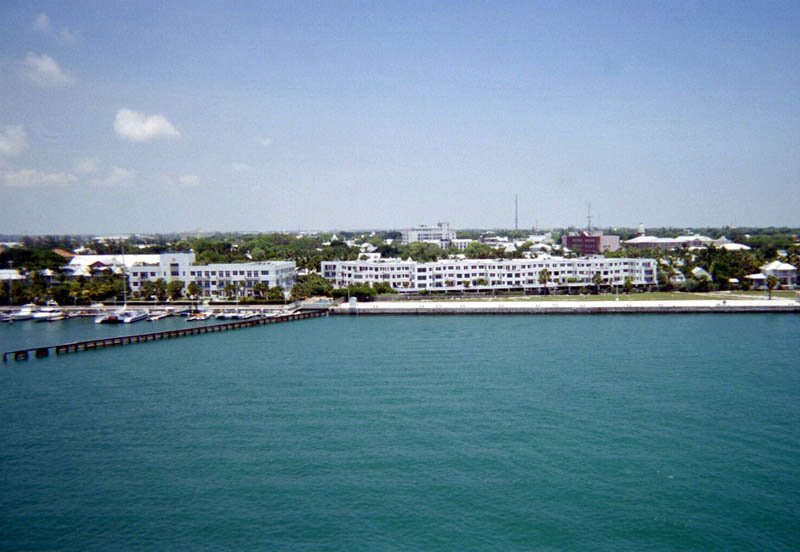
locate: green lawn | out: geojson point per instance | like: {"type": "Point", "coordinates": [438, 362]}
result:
{"type": "Point", "coordinates": [653, 296]}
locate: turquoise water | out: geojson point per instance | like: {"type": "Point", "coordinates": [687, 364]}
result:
{"type": "Point", "coordinates": [435, 433]}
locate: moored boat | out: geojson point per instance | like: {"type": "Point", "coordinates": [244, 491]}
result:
{"type": "Point", "coordinates": [25, 312]}
{"type": "Point", "coordinates": [198, 316]}
{"type": "Point", "coordinates": [121, 316]}
{"type": "Point", "coordinates": [49, 313]}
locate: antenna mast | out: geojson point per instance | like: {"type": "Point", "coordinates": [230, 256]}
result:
{"type": "Point", "coordinates": [589, 217]}
{"type": "Point", "coordinates": [516, 217]}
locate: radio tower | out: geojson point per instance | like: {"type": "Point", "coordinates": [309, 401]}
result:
{"type": "Point", "coordinates": [516, 218]}
{"type": "Point", "coordinates": [589, 217]}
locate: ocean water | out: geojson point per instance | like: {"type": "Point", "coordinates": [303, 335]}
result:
{"type": "Point", "coordinates": [609, 432]}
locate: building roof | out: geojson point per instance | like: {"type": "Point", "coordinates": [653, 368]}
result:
{"type": "Point", "coordinates": [730, 246]}
{"type": "Point", "coordinates": [82, 264]}
{"type": "Point", "coordinates": [652, 239]}
{"type": "Point", "coordinates": [777, 265]}
{"type": "Point", "coordinates": [10, 274]}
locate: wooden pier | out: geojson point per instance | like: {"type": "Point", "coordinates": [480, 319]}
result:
{"type": "Point", "coordinates": [93, 344]}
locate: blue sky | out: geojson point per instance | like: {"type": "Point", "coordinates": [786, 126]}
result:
{"type": "Point", "coordinates": [169, 116]}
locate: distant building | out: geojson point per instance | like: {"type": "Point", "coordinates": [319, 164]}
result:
{"type": "Point", "coordinates": [785, 273]}
{"type": "Point", "coordinates": [490, 274]}
{"type": "Point", "coordinates": [643, 241]}
{"type": "Point", "coordinates": [8, 274]}
{"type": "Point", "coordinates": [213, 279]}
{"type": "Point", "coordinates": [590, 243]}
{"type": "Point", "coordinates": [461, 244]}
{"type": "Point", "coordinates": [439, 234]}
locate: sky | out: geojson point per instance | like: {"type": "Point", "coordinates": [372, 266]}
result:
{"type": "Point", "coordinates": [119, 117]}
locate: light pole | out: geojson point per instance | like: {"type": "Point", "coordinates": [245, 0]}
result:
{"type": "Point", "coordinates": [10, 267]}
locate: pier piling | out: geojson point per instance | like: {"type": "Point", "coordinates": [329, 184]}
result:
{"type": "Point", "coordinates": [77, 346]}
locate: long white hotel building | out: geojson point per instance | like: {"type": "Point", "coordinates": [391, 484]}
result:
{"type": "Point", "coordinates": [490, 274]}
{"type": "Point", "coordinates": [212, 278]}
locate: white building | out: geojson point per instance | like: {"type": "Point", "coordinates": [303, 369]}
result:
{"type": "Point", "coordinates": [785, 273]}
{"type": "Point", "coordinates": [461, 244]}
{"type": "Point", "coordinates": [86, 265]}
{"type": "Point", "coordinates": [439, 234]}
{"type": "Point", "coordinates": [212, 278]}
{"type": "Point", "coordinates": [486, 274]}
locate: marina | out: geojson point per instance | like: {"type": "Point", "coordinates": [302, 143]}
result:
{"type": "Point", "coordinates": [93, 344]}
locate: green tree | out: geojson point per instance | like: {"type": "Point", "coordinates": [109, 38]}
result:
{"type": "Point", "coordinates": [194, 290]}
{"type": "Point", "coordinates": [309, 286]}
{"type": "Point", "coordinates": [383, 288]}
{"type": "Point", "coordinates": [772, 283]}
{"type": "Point", "coordinates": [275, 294]}
{"type": "Point", "coordinates": [478, 250]}
{"type": "Point", "coordinates": [597, 279]}
{"type": "Point", "coordinates": [175, 289]}
{"type": "Point", "coordinates": [260, 289]}
{"type": "Point", "coordinates": [544, 279]}
{"type": "Point", "coordinates": [627, 287]}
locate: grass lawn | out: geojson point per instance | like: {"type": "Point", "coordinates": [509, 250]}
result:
{"type": "Point", "coordinates": [778, 294]}
{"type": "Point", "coordinates": [653, 296]}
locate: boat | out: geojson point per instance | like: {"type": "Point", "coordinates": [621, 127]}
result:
{"type": "Point", "coordinates": [123, 315]}
{"type": "Point", "coordinates": [49, 313]}
{"type": "Point", "coordinates": [158, 315]}
{"type": "Point", "coordinates": [131, 316]}
{"type": "Point", "coordinates": [198, 316]}
{"type": "Point", "coordinates": [229, 315]}
{"type": "Point", "coordinates": [25, 312]}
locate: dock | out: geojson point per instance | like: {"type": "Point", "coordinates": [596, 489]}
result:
{"type": "Point", "coordinates": [94, 344]}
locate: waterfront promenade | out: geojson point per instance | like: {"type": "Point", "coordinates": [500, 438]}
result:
{"type": "Point", "coordinates": [569, 307]}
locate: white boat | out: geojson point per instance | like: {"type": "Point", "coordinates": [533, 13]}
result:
{"type": "Point", "coordinates": [158, 315]}
{"type": "Point", "coordinates": [49, 313]}
{"type": "Point", "coordinates": [131, 316]}
{"type": "Point", "coordinates": [197, 316]}
{"type": "Point", "coordinates": [121, 316]}
{"type": "Point", "coordinates": [229, 315]}
{"type": "Point", "coordinates": [25, 312]}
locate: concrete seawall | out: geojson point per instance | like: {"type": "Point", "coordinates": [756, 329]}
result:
{"type": "Point", "coordinates": [568, 307]}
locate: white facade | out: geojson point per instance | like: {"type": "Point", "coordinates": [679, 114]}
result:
{"type": "Point", "coordinates": [784, 272]}
{"type": "Point", "coordinates": [440, 234]}
{"type": "Point", "coordinates": [485, 274]}
{"type": "Point", "coordinates": [212, 278]}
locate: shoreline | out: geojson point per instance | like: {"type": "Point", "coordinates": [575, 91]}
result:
{"type": "Point", "coordinates": [568, 307]}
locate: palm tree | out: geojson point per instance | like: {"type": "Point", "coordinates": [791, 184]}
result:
{"type": "Point", "coordinates": [772, 283]}
{"type": "Point", "coordinates": [597, 279]}
{"type": "Point", "coordinates": [544, 279]}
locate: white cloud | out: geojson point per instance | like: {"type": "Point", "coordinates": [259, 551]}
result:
{"type": "Point", "coordinates": [26, 178]}
{"type": "Point", "coordinates": [43, 71]}
{"type": "Point", "coordinates": [188, 181]}
{"type": "Point", "coordinates": [67, 36]}
{"type": "Point", "coordinates": [87, 166]}
{"type": "Point", "coordinates": [118, 176]}
{"type": "Point", "coordinates": [138, 127]}
{"type": "Point", "coordinates": [42, 24]}
{"type": "Point", "coordinates": [13, 140]}
{"type": "Point", "coordinates": [240, 167]}
{"type": "Point", "coordinates": [266, 142]}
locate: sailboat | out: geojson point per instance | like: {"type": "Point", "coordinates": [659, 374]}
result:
{"type": "Point", "coordinates": [122, 315]}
